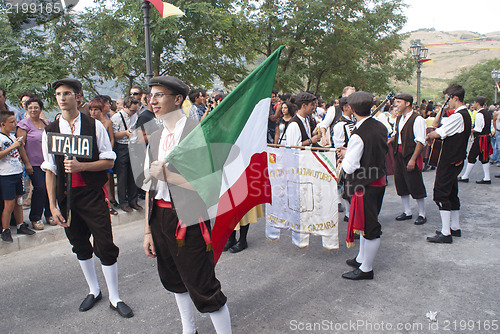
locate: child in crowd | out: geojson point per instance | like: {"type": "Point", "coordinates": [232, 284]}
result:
{"type": "Point", "coordinates": [11, 181]}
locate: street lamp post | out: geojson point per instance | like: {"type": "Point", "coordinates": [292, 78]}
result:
{"type": "Point", "coordinates": [495, 75]}
{"type": "Point", "coordinates": [419, 53]}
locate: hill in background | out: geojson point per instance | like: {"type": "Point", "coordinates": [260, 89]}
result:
{"type": "Point", "coordinates": [450, 52]}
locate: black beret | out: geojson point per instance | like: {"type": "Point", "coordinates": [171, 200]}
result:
{"type": "Point", "coordinates": [361, 102]}
{"type": "Point", "coordinates": [305, 97]}
{"type": "Point", "coordinates": [176, 85]}
{"type": "Point", "coordinates": [73, 83]}
{"type": "Point", "coordinates": [404, 97]}
{"type": "Point", "coordinates": [342, 102]}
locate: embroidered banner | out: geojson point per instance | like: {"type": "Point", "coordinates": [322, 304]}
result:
{"type": "Point", "coordinates": [304, 196]}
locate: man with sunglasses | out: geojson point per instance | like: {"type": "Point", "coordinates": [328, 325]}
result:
{"type": "Point", "coordinates": [182, 246]}
{"type": "Point", "coordinates": [138, 93]}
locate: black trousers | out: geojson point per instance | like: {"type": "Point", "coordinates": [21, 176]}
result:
{"type": "Point", "coordinates": [189, 268]}
{"type": "Point", "coordinates": [39, 199]}
{"type": "Point", "coordinates": [127, 189]}
{"type": "Point", "coordinates": [446, 186]}
{"type": "Point", "coordinates": [408, 183]}
{"type": "Point", "coordinates": [475, 153]}
{"type": "Point", "coordinates": [372, 201]}
{"type": "Point", "coordinates": [90, 216]}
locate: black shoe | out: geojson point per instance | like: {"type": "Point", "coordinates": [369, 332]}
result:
{"type": "Point", "coordinates": [403, 216]}
{"type": "Point", "coordinates": [239, 247]}
{"type": "Point", "coordinates": [230, 243]}
{"type": "Point", "coordinates": [357, 274]}
{"type": "Point", "coordinates": [122, 309]}
{"type": "Point", "coordinates": [421, 220]}
{"type": "Point", "coordinates": [341, 207]}
{"type": "Point", "coordinates": [126, 208]}
{"type": "Point", "coordinates": [346, 219]}
{"type": "Point", "coordinates": [454, 233]}
{"type": "Point", "coordinates": [89, 302]}
{"type": "Point", "coordinates": [484, 182]}
{"type": "Point", "coordinates": [439, 238]}
{"type": "Point", "coordinates": [24, 229]}
{"type": "Point", "coordinates": [353, 263]}
{"type": "Point", "coordinates": [6, 236]}
{"type": "Point", "coordinates": [497, 176]}
{"type": "Point", "coordinates": [462, 180]}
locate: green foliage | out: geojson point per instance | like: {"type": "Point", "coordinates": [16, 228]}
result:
{"type": "Point", "coordinates": [477, 80]}
{"type": "Point", "coordinates": [330, 44]}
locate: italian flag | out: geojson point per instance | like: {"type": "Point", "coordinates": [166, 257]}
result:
{"type": "Point", "coordinates": [166, 9]}
{"type": "Point", "coordinates": [224, 158]}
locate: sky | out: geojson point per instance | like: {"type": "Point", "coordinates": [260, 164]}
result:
{"type": "Point", "coordinates": [481, 16]}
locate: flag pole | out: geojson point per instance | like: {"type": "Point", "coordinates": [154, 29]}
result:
{"type": "Point", "coordinates": [147, 39]}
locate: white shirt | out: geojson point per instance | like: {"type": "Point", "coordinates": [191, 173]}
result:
{"type": "Point", "coordinates": [339, 134]}
{"type": "Point", "coordinates": [11, 164]}
{"type": "Point", "coordinates": [452, 124]}
{"type": "Point", "coordinates": [118, 125]}
{"type": "Point", "coordinates": [168, 141]}
{"type": "Point", "coordinates": [355, 147]}
{"type": "Point", "coordinates": [418, 128]}
{"type": "Point", "coordinates": [327, 121]}
{"type": "Point", "coordinates": [293, 135]}
{"type": "Point", "coordinates": [382, 118]}
{"type": "Point", "coordinates": [103, 142]}
{"type": "Point", "coordinates": [479, 122]}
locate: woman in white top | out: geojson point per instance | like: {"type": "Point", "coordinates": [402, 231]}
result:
{"type": "Point", "coordinates": [288, 112]}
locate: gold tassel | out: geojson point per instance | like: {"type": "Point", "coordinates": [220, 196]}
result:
{"type": "Point", "coordinates": [209, 248]}
{"type": "Point", "coordinates": [350, 244]}
{"type": "Point", "coordinates": [181, 242]}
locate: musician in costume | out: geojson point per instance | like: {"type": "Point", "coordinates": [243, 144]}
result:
{"type": "Point", "coordinates": [341, 133]}
{"type": "Point", "coordinates": [363, 162]}
{"type": "Point", "coordinates": [454, 132]}
{"type": "Point", "coordinates": [481, 147]}
{"type": "Point", "coordinates": [408, 142]}
{"type": "Point", "coordinates": [182, 247]}
{"type": "Point", "coordinates": [89, 211]}
{"type": "Point", "coordinates": [299, 132]}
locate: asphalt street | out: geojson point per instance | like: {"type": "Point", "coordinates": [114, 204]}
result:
{"type": "Point", "coordinates": [273, 287]}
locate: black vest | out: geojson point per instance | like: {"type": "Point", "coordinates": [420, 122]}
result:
{"type": "Point", "coordinates": [303, 132]}
{"type": "Point", "coordinates": [407, 136]}
{"type": "Point", "coordinates": [372, 164]}
{"type": "Point", "coordinates": [487, 122]}
{"type": "Point", "coordinates": [186, 201]}
{"type": "Point", "coordinates": [454, 148]}
{"type": "Point", "coordinates": [92, 179]}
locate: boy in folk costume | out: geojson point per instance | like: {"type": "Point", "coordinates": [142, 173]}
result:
{"type": "Point", "coordinates": [363, 162]}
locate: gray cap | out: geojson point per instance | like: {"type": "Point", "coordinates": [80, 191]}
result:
{"type": "Point", "coordinates": [342, 102]}
{"type": "Point", "coordinates": [404, 97]}
{"type": "Point", "coordinates": [173, 83]}
{"type": "Point", "coordinates": [73, 83]}
{"type": "Point", "coordinates": [361, 102]}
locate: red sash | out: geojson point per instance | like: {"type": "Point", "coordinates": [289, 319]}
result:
{"type": "Point", "coordinates": [357, 212]}
{"type": "Point", "coordinates": [485, 147]}
{"type": "Point", "coordinates": [77, 180]}
{"type": "Point", "coordinates": [419, 163]}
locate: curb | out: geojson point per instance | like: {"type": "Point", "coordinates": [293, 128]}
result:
{"type": "Point", "coordinates": [56, 233]}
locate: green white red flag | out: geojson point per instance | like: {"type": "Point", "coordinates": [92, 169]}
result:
{"type": "Point", "coordinates": [224, 158]}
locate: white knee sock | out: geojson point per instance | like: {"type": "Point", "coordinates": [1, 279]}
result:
{"type": "Point", "coordinates": [88, 269]}
{"type": "Point", "coordinates": [455, 220]}
{"type": "Point", "coordinates": [445, 221]}
{"type": "Point", "coordinates": [111, 276]}
{"type": "Point", "coordinates": [186, 307]}
{"type": "Point", "coordinates": [468, 169]}
{"type": "Point", "coordinates": [361, 254]}
{"type": "Point", "coordinates": [406, 204]}
{"type": "Point", "coordinates": [486, 170]}
{"type": "Point", "coordinates": [371, 249]}
{"type": "Point", "coordinates": [421, 207]}
{"type": "Point", "coordinates": [347, 207]}
{"type": "Point", "coordinates": [221, 320]}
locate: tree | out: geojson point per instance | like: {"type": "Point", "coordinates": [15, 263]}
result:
{"type": "Point", "coordinates": [332, 44]}
{"type": "Point", "coordinates": [477, 80]}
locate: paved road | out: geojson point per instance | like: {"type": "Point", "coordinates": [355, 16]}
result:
{"type": "Point", "coordinates": [276, 288]}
